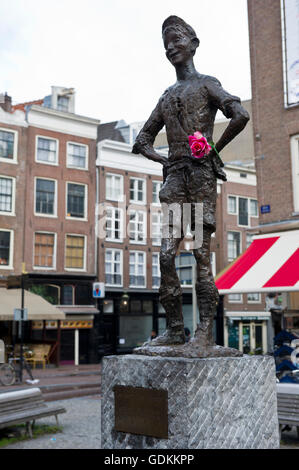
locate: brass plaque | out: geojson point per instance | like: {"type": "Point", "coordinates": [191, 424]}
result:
{"type": "Point", "coordinates": [141, 411]}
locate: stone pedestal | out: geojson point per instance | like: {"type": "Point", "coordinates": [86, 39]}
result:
{"type": "Point", "coordinates": [213, 403]}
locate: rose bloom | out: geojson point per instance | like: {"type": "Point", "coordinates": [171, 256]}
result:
{"type": "Point", "coordinates": [199, 145]}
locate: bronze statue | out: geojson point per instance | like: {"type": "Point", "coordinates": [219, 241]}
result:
{"type": "Point", "coordinates": [187, 107]}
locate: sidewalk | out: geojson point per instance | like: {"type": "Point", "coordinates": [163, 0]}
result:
{"type": "Point", "coordinates": [58, 383]}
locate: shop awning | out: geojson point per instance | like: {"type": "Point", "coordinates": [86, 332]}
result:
{"type": "Point", "coordinates": [38, 308]}
{"type": "Point", "coordinates": [270, 264]}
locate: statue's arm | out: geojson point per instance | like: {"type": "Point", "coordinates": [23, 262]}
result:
{"type": "Point", "coordinates": [146, 137]}
{"type": "Point", "coordinates": [232, 109]}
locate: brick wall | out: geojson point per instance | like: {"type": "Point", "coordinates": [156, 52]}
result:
{"type": "Point", "coordinates": [271, 121]}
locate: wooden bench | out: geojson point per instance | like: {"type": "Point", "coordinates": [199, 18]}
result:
{"type": "Point", "coordinates": [41, 354]}
{"type": "Point", "coordinates": [25, 406]}
{"type": "Point", "coordinates": [288, 405]}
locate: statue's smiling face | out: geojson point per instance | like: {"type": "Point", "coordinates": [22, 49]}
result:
{"type": "Point", "coordinates": [179, 47]}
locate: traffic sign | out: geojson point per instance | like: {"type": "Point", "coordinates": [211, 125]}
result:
{"type": "Point", "coordinates": [98, 290]}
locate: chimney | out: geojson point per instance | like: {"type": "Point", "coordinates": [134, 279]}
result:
{"type": "Point", "coordinates": [5, 102]}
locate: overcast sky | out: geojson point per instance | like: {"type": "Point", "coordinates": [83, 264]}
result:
{"type": "Point", "coordinates": [111, 51]}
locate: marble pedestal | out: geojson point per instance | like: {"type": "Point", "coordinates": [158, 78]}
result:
{"type": "Point", "coordinates": [213, 403]}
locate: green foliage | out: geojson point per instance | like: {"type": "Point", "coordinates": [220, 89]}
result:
{"type": "Point", "coordinates": [43, 292]}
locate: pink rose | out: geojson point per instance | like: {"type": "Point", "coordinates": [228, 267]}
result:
{"type": "Point", "coordinates": [199, 145]}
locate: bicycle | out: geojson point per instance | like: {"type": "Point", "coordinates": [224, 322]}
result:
{"type": "Point", "coordinates": [10, 371]}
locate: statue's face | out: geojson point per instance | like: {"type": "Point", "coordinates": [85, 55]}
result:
{"type": "Point", "coordinates": [179, 47]}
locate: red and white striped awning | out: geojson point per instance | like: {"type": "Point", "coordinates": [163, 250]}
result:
{"type": "Point", "coordinates": [270, 264]}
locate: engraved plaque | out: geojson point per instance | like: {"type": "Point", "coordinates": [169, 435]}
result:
{"type": "Point", "coordinates": [141, 411]}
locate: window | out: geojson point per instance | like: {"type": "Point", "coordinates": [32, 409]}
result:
{"type": "Point", "coordinates": [63, 103]}
{"type": "Point", "coordinates": [114, 223]}
{"type": "Point", "coordinates": [157, 185]}
{"type": "Point", "coordinates": [67, 295]}
{"type": "Point", "coordinates": [137, 227]}
{"type": "Point", "coordinates": [156, 274]}
{"type": "Point", "coordinates": [232, 205]}
{"type": "Point", "coordinates": [237, 298]}
{"type": "Point", "coordinates": [243, 207]}
{"type": "Point", "coordinates": [233, 245]}
{"type": "Point", "coordinates": [44, 246]}
{"type": "Point", "coordinates": [76, 200]}
{"type": "Point", "coordinates": [137, 190]}
{"type": "Point", "coordinates": [46, 151]}
{"type": "Point", "coordinates": [254, 297]}
{"type": "Point", "coordinates": [8, 145]}
{"type": "Point", "coordinates": [156, 227]}
{"type": "Point", "coordinates": [243, 211]}
{"type": "Point", "coordinates": [7, 187]}
{"type": "Point", "coordinates": [113, 267]}
{"type": "Point", "coordinates": [6, 243]}
{"type": "Point", "coordinates": [183, 263]}
{"type": "Point", "coordinates": [253, 208]}
{"type": "Point", "coordinates": [114, 187]}
{"type": "Point", "coordinates": [77, 156]}
{"type": "Point", "coordinates": [137, 269]}
{"type": "Point", "coordinates": [75, 252]}
{"type": "Point", "coordinates": [45, 200]}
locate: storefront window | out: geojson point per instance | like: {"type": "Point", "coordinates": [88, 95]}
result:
{"type": "Point", "coordinates": [233, 335]}
{"type": "Point", "coordinates": [134, 330]}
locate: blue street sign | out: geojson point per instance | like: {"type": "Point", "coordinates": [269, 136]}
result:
{"type": "Point", "coordinates": [265, 209]}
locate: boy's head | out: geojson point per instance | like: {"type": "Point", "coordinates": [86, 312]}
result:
{"type": "Point", "coordinates": [180, 40]}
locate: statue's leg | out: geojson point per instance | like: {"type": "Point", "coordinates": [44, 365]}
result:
{"type": "Point", "coordinates": [170, 295]}
{"type": "Point", "coordinates": [206, 291]}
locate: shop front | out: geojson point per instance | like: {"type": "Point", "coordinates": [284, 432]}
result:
{"type": "Point", "coordinates": [247, 331]}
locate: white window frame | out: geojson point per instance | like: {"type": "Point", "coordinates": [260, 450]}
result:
{"type": "Point", "coordinates": [135, 190]}
{"type": "Point", "coordinates": [295, 171]}
{"type": "Point", "coordinates": [13, 197]}
{"type": "Point", "coordinates": [86, 156]}
{"type": "Point", "coordinates": [11, 250]}
{"type": "Point", "coordinates": [37, 214]}
{"type": "Point", "coordinates": [213, 262]}
{"type": "Point", "coordinates": [159, 182]}
{"type": "Point", "coordinates": [249, 199]}
{"type": "Point", "coordinates": [85, 218]}
{"type": "Point", "coordinates": [45, 268]}
{"type": "Point", "coordinates": [235, 301]}
{"type": "Point", "coordinates": [84, 252]}
{"type": "Point", "coordinates": [153, 233]}
{"type": "Point", "coordinates": [179, 266]}
{"type": "Point", "coordinates": [113, 250]}
{"type": "Point", "coordinates": [136, 252]}
{"type": "Point", "coordinates": [136, 222]}
{"type": "Point", "coordinates": [13, 160]}
{"type": "Point", "coordinates": [154, 254]}
{"type": "Point", "coordinates": [233, 231]}
{"type": "Point", "coordinates": [57, 150]}
{"type": "Point", "coordinates": [236, 198]}
{"type": "Point", "coordinates": [113, 219]}
{"type": "Point", "coordinates": [254, 301]}
{"type": "Point", "coordinates": [111, 198]}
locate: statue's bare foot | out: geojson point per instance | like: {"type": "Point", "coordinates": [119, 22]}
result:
{"type": "Point", "coordinates": [170, 337]}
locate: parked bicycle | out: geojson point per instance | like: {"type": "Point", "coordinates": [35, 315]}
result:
{"type": "Point", "coordinates": [10, 371]}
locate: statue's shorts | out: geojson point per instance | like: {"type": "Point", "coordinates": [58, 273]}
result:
{"type": "Point", "coordinates": [190, 182]}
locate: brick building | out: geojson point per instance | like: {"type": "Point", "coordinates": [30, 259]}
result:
{"type": "Point", "coordinates": [47, 218]}
{"type": "Point", "coordinates": [274, 32]}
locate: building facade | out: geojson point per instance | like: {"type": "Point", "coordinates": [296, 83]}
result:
{"type": "Point", "coordinates": [47, 218]}
{"type": "Point", "coordinates": [275, 112]}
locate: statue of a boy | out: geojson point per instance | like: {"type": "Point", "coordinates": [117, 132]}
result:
{"type": "Point", "coordinates": [189, 106]}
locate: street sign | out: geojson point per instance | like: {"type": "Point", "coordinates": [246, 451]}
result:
{"type": "Point", "coordinates": [98, 290]}
{"type": "Point", "coordinates": [265, 209]}
{"type": "Point", "coordinates": [20, 314]}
